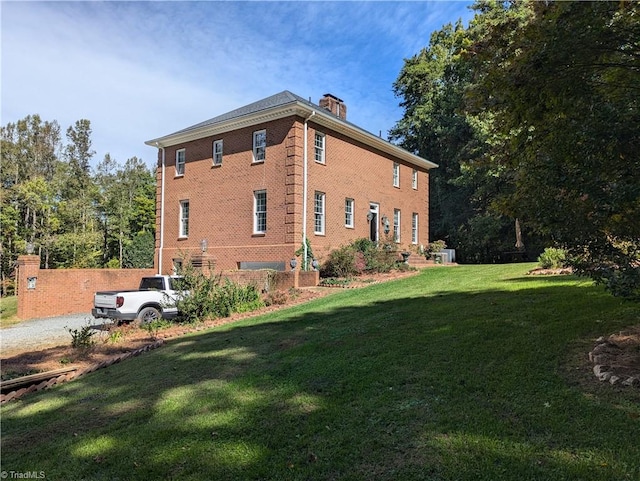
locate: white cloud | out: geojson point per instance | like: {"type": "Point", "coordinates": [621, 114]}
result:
{"type": "Point", "coordinates": [139, 70]}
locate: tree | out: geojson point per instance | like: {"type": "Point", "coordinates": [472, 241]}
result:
{"type": "Point", "coordinates": [563, 90]}
{"type": "Point", "coordinates": [436, 125]}
{"type": "Point", "coordinates": [78, 245]}
{"type": "Point", "coordinates": [127, 206]}
{"type": "Point", "coordinates": [51, 198]}
{"type": "Point", "coordinates": [28, 163]}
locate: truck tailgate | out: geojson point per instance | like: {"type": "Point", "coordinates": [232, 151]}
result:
{"type": "Point", "coordinates": [105, 300]}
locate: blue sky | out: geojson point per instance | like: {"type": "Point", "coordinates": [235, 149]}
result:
{"type": "Point", "coordinates": [140, 70]}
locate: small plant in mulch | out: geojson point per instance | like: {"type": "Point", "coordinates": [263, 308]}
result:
{"type": "Point", "coordinates": [154, 327]}
{"type": "Point", "coordinates": [82, 338]}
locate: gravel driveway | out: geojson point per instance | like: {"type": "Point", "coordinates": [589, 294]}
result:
{"type": "Point", "coordinates": [39, 333]}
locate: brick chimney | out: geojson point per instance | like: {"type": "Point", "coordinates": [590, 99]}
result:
{"type": "Point", "coordinates": [334, 105]}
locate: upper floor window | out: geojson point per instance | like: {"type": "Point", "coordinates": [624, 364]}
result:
{"type": "Point", "coordinates": [260, 211]}
{"type": "Point", "coordinates": [319, 146]}
{"type": "Point", "coordinates": [217, 152]}
{"type": "Point", "coordinates": [414, 180]}
{"type": "Point", "coordinates": [259, 145]}
{"type": "Point", "coordinates": [396, 225]}
{"type": "Point", "coordinates": [396, 174]}
{"type": "Point", "coordinates": [348, 213]}
{"type": "Point", "coordinates": [184, 218]}
{"type": "Point", "coordinates": [319, 212]}
{"type": "Point", "coordinates": [180, 161]}
{"type": "Point", "coordinates": [414, 228]}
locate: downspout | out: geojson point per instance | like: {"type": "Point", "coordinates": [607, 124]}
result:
{"type": "Point", "coordinates": [304, 192]}
{"type": "Point", "coordinates": [161, 210]}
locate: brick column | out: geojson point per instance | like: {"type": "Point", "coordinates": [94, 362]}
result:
{"type": "Point", "coordinates": [27, 272]}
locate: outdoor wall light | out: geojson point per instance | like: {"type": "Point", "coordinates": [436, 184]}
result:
{"type": "Point", "coordinates": [203, 245]}
{"type": "Point", "coordinates": [31, 282]}
{"type": "Point", "coordinates": [293, 263]}
{"type": "Point", "coordinates": [385, 222]}
{"type": "Point", "coordinates": [369, 216]}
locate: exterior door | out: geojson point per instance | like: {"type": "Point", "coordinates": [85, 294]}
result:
{"type": "Point", "coordinates": [373, 221]}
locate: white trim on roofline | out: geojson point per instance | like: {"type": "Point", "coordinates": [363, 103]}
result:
{"type": "Point", "coordinates": [295, 108]}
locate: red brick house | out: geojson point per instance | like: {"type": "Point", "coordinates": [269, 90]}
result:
{"type": "Point", "coordinates": [245, 188]}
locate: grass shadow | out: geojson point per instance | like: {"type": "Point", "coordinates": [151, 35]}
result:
{"type": "Point", "coordinates": [403, 381]}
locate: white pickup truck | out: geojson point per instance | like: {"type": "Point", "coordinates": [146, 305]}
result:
{"type": "Point", "coordinates": [155, 298]}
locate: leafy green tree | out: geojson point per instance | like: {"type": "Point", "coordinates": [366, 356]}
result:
{"type": "Point", "coordinates": [127, 207]}
{"type": "Point", "coordinates": [28, 162]}
{"type": "Point", "coordinates": [50, 197]}
{"type": "Point", "coordinates": [563, 91]}
{"type": "Point", "coordinates": [78, 245]}
{"type": "Point", "coordinates": [436, 125]}
{"type": "Point", "coordinates": [139, 253]}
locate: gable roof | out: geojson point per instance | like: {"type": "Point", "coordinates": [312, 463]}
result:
{"type": "Point", "coordinates": [280, 105]}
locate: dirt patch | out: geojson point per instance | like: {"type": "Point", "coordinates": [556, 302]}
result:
{"type": "Point", "coordinates": [113, 341]}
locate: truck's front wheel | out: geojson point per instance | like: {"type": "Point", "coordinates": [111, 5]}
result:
{"type": "Point", "coordinates": [149, 314]}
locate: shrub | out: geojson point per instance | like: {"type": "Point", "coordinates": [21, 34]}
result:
{"type": "Point", "coordinates": [154, 326]}
{"type": "Point", "coordinates": [82, 338]}
{"type": "Point", "coordinates": [359, 257]}
{"type": "Point", "coordinates": [552, 258]}
{"type": "Point", "coordinates": [434, 247]}
{"type": "Point", "coordinates": [341, 263]}
{"type": "Point", "coordinates": [381, 260]}
{"type": "Point", "coordinates": [376, 257]}
{"type": "Point", "coordinates": [209, 296]}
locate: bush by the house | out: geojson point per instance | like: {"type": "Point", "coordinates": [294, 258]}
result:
{"type": "Point", "coordinates": [359, 257]}
{"type": "Point", "coordinates": [341, 263]}
{"type": "Point", "coordinates": [211, 296]}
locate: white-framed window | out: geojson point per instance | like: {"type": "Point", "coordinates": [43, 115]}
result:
{"type": "Point", "coordinates": [217, 152]}
{"type": "Point", "coordinates": [181, 157]}
{"type": "Point", "coordinates": [414, 228]}
{"type": "Point", "coordinates": [184, 218]}
{"type": "Point", "coordinates": [396, 174]}
{"type": "Point", "coordinates": [414, 179]}
{"type": "Point", "coordinates": [348, 212]}
{"type": "Point", "coordinates": [319, 212]}
{"type": "Point", "coordinates": [260, 211]}
{"type": "Point", "coordinates": [396, 225]}
{"type": "Point", "coordinates": [259, 145]}
{"type": "Point", "coordinates": [319, 146]}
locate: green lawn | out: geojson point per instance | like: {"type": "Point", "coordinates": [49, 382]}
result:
{"type": "Point", "coordinates": [8, 311]}
{"type": "Point", "coordinates": [465, 373]}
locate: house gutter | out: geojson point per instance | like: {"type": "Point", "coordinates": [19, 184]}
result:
{"type": "Point", "coordinates": [304, 191]}
{"type": "Point", "coordinates": [161, 210]}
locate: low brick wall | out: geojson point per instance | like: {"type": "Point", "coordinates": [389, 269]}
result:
{"type": "Point", "coordinates": [56, 292]}
{"type": "Point", "coordinates": [309, 279]}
